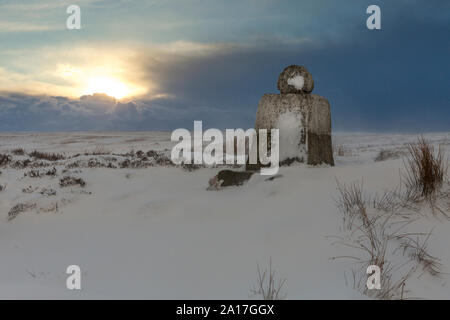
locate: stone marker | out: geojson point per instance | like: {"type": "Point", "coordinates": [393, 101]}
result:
{"type": "Point", "coordinates": [304, 119]}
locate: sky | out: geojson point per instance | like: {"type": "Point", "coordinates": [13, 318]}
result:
{"type": "Point", "coordinates": [161, 64]}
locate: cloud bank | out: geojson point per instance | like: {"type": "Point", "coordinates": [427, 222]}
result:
{"type": "Point", "coordinates": [99, 112]}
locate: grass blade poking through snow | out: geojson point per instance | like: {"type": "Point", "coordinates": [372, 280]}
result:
{"type": "Point", "coordinates": [267, 285]}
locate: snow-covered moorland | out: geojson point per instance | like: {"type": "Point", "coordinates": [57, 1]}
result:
{"type": "Point", "coordinates": [140, 227]}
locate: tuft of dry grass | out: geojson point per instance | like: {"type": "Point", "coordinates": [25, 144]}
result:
{"type": "Point", "coordinates": [48, 192]}
{"type": "Point", "coordinates": [4, 159]}
{"type": "Point", "coordinates": [51, 172]}
{"type": "Point", "coordinates": [374, 227]}
{"type": "Point", "coordinates": [341, 151]}
{"type": "Point", "coordinates": [19, 208]}
{"type": "Point", "coordinates": [388, 154]}
{"type": "Point", "coordinates": [32, 174]}
{"type": "Point", "coordinates": [18, 152]}
{"type": "Point", "coordinates": [418, 251]}
{"type": "Point", "coordinates": [98, 151]}
{"type": "Point", "coordinates": [71, 181]}
{"type": "Point", "coordinates": [352, 203]}
{"type": "Point", "coordinates": [425, 168]}
{"type": "Point", "coordinates": [425, 177]}
{"type": "Point", "coordinates": [268, 286]}
{"type": "Point", "coordinates": [47, 156]}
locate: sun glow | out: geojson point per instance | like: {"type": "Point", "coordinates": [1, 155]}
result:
{"type": "Point", "coordinates": [110, 86]}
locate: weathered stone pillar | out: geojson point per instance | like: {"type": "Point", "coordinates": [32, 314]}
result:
{"type": "Point", "coordinates": [304, 119]}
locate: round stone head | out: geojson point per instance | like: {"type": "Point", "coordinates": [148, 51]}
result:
{"type": "Point", "coordinates": [295, 79]}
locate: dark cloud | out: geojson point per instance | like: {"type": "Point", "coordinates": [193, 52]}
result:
{"type": "Point", "coordinates": [20, 112]}
{"type": "Point", "coordinates": [394, 79]}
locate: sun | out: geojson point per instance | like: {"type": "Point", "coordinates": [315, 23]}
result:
{"type": "Point", "coordinates": [110, 86]}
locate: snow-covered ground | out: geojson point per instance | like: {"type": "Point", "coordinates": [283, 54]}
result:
{"type": "Point", "coordinates": [150, 230]}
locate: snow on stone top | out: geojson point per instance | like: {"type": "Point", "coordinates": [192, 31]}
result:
{"type": "Point", "coordinates": [297, 81]}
